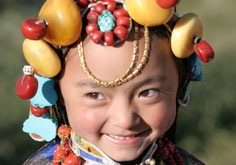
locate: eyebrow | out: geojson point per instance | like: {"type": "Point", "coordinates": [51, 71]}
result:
{"type": "Point", "coordinates": [149, 80]}
{"type": "Point", "coordinates": [87, 83]}
{"type": "Point", "coordinates": [91, 84]}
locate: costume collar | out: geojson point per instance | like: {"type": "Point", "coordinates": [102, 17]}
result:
{"type": "Point", "coordinates": [94, 156]}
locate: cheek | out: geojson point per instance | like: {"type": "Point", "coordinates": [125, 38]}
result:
{"type": "Point", "coordinates": [84, 121]}
{"type": "Point", "coordinates": [162, 117]}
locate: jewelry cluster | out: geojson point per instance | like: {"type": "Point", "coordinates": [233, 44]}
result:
{"type": "Point", "coordinates": [63, 153]}
{"type": "Point", "coordinates": [107, 22]}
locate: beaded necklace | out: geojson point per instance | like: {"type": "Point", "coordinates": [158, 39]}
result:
{"type": "Point", "coordinates": [76, 150]}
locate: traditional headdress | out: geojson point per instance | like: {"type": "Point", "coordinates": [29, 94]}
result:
{"type": "Point", "coordinates": [60, 24]}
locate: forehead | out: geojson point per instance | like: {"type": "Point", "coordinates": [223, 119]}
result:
{"type": "Point", "coordinates": [110, 63]}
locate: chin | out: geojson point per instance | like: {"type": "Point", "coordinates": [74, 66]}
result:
{"type": "Point", "coordinates": [125, 158]}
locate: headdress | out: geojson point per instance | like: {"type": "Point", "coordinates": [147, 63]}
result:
{"type": "Point", "coordinates": [61, 23]}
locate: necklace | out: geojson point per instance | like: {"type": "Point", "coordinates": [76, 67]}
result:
{"type": "Point", "coordinates": [131, 72]}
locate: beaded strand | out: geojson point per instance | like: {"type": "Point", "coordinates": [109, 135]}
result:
{"type": "Point", "coordinates": [131, 72]}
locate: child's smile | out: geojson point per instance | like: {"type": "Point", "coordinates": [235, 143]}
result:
{"type": "Point", "coordinates": [126, 139]}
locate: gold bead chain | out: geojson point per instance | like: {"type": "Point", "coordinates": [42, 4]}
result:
{"type": "Point", "coordinates": [131, 72]}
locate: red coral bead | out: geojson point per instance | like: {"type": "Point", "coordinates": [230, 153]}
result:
{"type": "Point", "coordinates": [109, 38]}
{"type": "Point", "coordinates": [37, 111]}
{"type": "Point", "coordinates": [167, 3]}
{"type": "Point", "coordinates": [123, 21]}
{"type": "Point", "coordinates": [111, 5]}
{"type": "Point", "coordinates": [58, 147]}
{"type": "Point", "coordinates": [204, 51]}
{"type": "Point", "coordinates": [90, 28]}
{"type": "Point", "coordinates": [66, 147]}
{"type": "Point", "coordinates": [163, 151]}
{"type": "Point", "coordinates": [55, 162]}
{"type": "Point", "coordinates": [33, 29]}
{"type": "Point", "coordinates": [64, 132]}
{"type": "Point", "coordinates": [92, 16]}
{"type": "Point", "coordinates": [120, 13]}
{"type": "Point", "coordinates": [83, 3]}
{"type": "Point", "coordinates": [99, 8]}
{"type": "Point", "coordinates": [26, 86]}
{"type": "Point", "coordinates": [170, 147]}
{"type": "Point", "coordinates": [59, 155]}
{"type": "Point", "coordinates": [97, 36]}
{"type": "Point", "coordinates": [121, 32]}
{"type": "Point", "coordinates": [72, 159]}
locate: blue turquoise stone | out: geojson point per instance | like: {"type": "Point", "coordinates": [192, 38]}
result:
{"type": "Point", "coordinates": [196, 68]}
{"type": "Point", "coordinates": [106, 21]}
{"type": "Point", "coordinates": [46, 94]}
{"type": "Point", "coordinates": [43, 126]}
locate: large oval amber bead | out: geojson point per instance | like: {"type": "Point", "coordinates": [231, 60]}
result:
{"type": "Point", "coordinates": [185, 30]}
{"type": "Point", "coordinates": [64, 21]}
{"type": "Point", "coordinates": [148, 12]}
{"type": "Point", "coordinates": [41, 57]}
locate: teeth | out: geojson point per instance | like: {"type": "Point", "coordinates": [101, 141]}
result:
{"type": "Point", "coordinates": [121, 137]}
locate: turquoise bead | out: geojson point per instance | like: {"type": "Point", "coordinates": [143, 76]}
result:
{"type": "Point", "coordinates": [106, 21]}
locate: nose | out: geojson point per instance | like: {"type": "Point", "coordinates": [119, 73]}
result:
{"type": "Point", "coordinates": [123, 114]}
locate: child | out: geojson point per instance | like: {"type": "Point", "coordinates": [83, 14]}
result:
{"type": "Point", "coordinates": [119, 102]}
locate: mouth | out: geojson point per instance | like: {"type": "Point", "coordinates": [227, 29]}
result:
{"type": "Point", "coordinates": [121, 137]}
{"type": "Point", "coordinates": [127, 139]}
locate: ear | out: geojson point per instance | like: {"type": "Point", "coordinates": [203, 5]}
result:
{"type": "Point", "coordinates": [194, 69]}
{"type": "Point", "coordinates": [183, 96]}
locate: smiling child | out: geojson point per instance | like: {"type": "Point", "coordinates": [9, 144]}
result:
{"type": "Point", "coordinates": [119, 84]}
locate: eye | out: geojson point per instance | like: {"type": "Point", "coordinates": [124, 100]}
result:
{"type": "Point", "coordinates": [149, 93]}
{"type": "Point", "coordinates": [95, 96]}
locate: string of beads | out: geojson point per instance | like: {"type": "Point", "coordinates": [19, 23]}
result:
{"type": "Point", "coordinates": [131, 72]}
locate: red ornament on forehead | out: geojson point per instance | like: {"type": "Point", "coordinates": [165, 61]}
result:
{"type": "Point", "coordinates": [119, 17]}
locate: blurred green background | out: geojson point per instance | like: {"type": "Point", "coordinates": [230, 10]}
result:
{"type": "Point", "coordinates": [207, 128]}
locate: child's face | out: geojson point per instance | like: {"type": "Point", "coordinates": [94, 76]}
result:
{"type": "Point", "coordinates": [121, 121]}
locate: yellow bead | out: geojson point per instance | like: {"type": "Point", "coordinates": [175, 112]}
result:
{"type": "Point", "coordinates": [41, 57]}
{"type": "Point", "coordinates": [186, 29]}
{"type": "Point", "coordinates": [64, 21]}
{"type": "Point", "coordinates": [152, 162]}
{"type": "Point", "coordinates": [148, 12]}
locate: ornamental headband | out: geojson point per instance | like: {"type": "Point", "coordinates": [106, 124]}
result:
{"type": "Point", "coordinates": [60, 24]}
